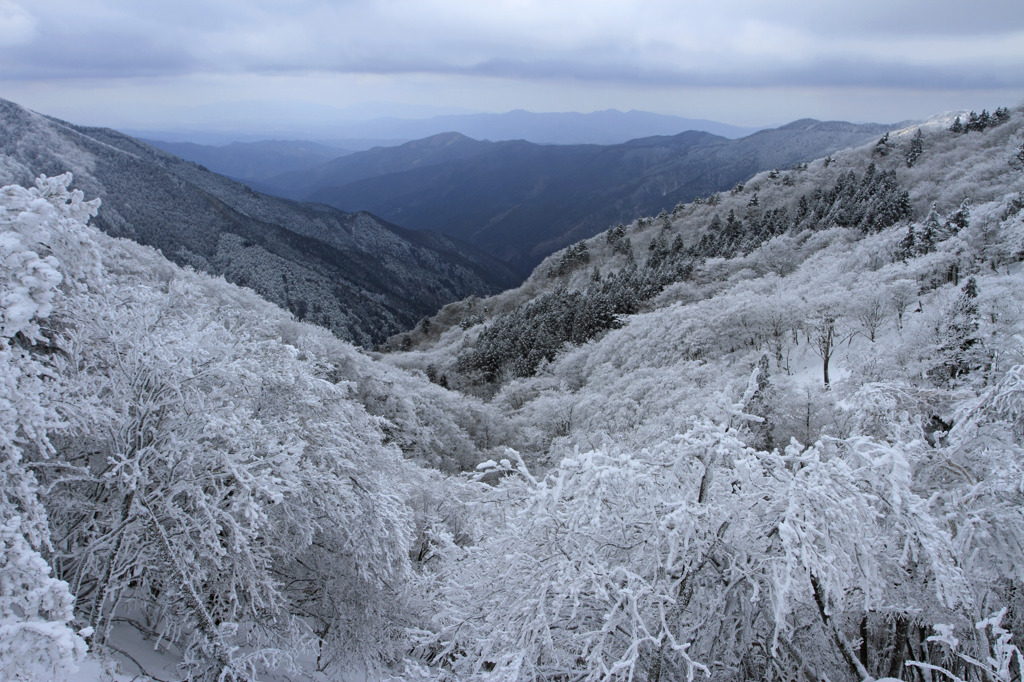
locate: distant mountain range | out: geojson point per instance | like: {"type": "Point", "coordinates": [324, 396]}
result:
{"type": "Point", "coordinates": [599, 127]}
{"type": "Point", "coordinates": [521, 201]}
{"type": "Point", "coordinates": [354, 273]}
{"type": "Point", "coordinates": [337, 128]}
{"type": "Point", "coordinates": [254, 162]}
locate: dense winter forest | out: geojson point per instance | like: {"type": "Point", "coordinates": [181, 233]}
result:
{"type": "Point", "coordinates": [776, 433]}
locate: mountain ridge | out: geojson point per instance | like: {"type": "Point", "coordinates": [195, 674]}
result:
{"type": "Point", "coordinates": [609, 126]}
{"type": "Point", "coordinates": [521, 201]}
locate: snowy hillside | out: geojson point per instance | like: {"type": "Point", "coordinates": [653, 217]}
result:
{"type": "Point", "coordinates": [195, 465]}
{"type": "Point", "coordinates": [774, 434]}
{"type": "Point", "coordinates": [776, 430]}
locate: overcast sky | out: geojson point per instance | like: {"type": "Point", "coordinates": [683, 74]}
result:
{"type": "Point", "coordinates": [181, 63]}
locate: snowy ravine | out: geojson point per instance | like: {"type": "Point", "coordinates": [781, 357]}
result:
{"type": "Point", "coordinates": [662, 484]}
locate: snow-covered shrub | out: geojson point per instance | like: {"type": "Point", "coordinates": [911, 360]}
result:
{"type": "Point", "coordinates": [35, 609]}
{"type": "Point", "coordinates": [36, 226]}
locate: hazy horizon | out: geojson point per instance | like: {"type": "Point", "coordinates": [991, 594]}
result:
{"type": "Point", "coordinates": [225, 63]}
{"type": "Point", "coordinates": [381, 129]}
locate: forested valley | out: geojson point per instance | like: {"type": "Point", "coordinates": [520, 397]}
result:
{"type": "Point", "coordinates": [776, 433]}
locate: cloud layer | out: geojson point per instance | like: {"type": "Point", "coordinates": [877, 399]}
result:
{"type": "Point", "coordinates": [733, 43]}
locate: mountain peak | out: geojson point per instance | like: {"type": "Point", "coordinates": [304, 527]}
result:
{"type": "Point", "coordinates": [804, 124]}
{"type": "Point", "coordinates": [440, 140]}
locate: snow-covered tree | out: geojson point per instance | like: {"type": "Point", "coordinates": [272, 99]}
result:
{"type": "Point", "coordinates": [37, 231]}
{"type": "Point", "coordinates": [699, 556]}
{"type": "Point", "coordinates": [182, 468]}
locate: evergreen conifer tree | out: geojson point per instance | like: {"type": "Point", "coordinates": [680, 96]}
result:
{"type": "Point", "coordinates": [916, 148]}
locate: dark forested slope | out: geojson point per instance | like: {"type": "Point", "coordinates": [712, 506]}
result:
{"type": "Point", "coordinates": [522, 201]}
{"type": "Point", "coordinates": [253, 161]}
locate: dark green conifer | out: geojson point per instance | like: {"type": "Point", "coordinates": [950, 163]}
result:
{"type": "Point", "coordinates": [916, 149]}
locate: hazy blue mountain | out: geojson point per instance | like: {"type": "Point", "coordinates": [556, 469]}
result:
{"type": "Point", "coordinates": [599, 127]}
{"type": "Point", "coordinates": [248, 161]}
{"type": "Point", "coordinates": [351, 272]}
{"type": "Point", "coordinates": [218, 137]}
{"type": "Point", "coordinates": [379, 161]}
{"type": "Point", "coordinates": [374, 126]}
{"type": "Point", "coordinates": [522, 201]}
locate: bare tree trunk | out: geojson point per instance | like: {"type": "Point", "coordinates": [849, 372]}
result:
{"type": "Point", "coordinates": [900, 632]}
{"type": "Point", "coordinates": [841, 642]}
{"type": "Point", "coordinates": [864, 641]}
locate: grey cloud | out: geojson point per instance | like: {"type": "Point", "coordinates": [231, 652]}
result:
{"type": "Point", "coordinates": [831, 73]}
{"type": "Point", "coordinates": [885, 17]}
{"type": "Point", "coordinates": [103, 56]}
{"type": "Point", "coordinates": [141, 40]}
{"type": "Point", "coordinates": [17, 26]}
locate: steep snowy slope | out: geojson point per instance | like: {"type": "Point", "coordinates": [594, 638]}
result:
{"type": "Point", "coordinates": [183, 460]}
